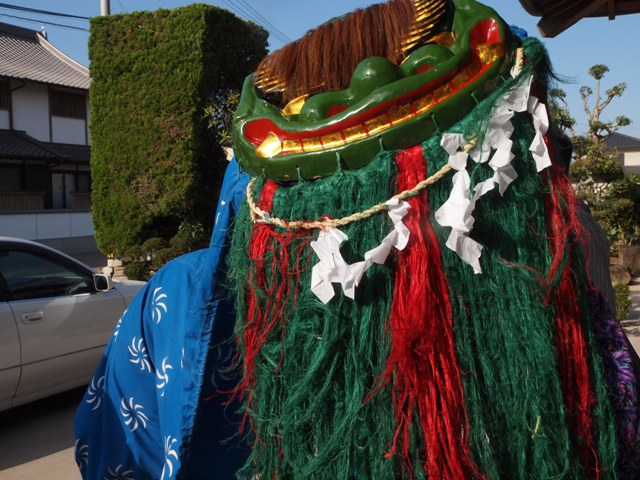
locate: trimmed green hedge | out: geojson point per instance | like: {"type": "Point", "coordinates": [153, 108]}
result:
{"type": "Point", "coordinates": [156, 167]}
{"type": "Point", "coordinates": [623, 301]}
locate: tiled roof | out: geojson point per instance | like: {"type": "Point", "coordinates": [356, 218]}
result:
{"type": "Point", "coordinates": [26, 54]}
{"type": "Point", "coordinates": [621, 141]}
{"type": "Point", "coordinates": [79, 153]}
{"type": "Point", "coordinates": [18, 145]}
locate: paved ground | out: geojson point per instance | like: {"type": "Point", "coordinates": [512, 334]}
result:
{"type": "Point", "coordinates": [36, 440]}
{"type": "Point", "coordinates": [632, 324]}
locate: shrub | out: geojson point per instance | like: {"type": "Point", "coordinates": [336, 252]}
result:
{"type": "Point", "coordinates": [136, 270]}
{"type": "Point", "coordinates": [623, 301]}
{"type": "Point", "coordinates": [156, 166]}
{"type": "Point", "coordinates": [619, 212]}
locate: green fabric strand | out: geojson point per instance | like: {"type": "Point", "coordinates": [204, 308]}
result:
{"type": "Point", "coordinates": [315, 372]}
{"type": "Point", "coordinates": [313, 378]}
{"type": "Point", "coordinates": [504, 331]}
{"type": "Point", "coordinates": [504, 335]}
{"type": "Point", "coordinates": [603, 413]}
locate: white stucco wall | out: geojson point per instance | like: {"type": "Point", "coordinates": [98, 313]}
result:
{"type": "Point", "coordinates": [68, 130]}
{"type": "Point", "coordinates": [632, 159]}
{"type": "Point", "coordinates": [630, 162]}
{"type": "Point", "coordinates": [42, 226]}
{"type": "Point", "coordinates": [88, 120]}
{"type": "Point", "coordinates": [30, 105]}
{"type": "Point", "coordinates": [4, 119]}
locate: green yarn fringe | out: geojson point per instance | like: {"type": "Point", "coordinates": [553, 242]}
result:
{"type": "Point", "coordinates": [310, 414]}
{"type": "Point", "coordinates": [308, 409]}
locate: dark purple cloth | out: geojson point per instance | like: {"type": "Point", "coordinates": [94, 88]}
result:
{"type": "Point", "coordinates": [622, 371]}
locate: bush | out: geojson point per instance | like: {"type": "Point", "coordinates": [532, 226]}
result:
{"type": "Point", "coordinates": [146, 259]}
{"type": "Point", "coordinates": [136, 270]}
{"type": "Point", "coordinates": [623, 301]}
{"type": "Point", "coordinates": [156, 166]}
{"type": "Point", "coordinates": [619, 212]}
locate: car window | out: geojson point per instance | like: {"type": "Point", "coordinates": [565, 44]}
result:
{"type": "Point", "coordinates": [29, 276]}
{"type": "Point", "coordinates": [3, 289]}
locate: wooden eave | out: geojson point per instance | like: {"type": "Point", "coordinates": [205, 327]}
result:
{"type": "Point", "coordinates": [558, 15]}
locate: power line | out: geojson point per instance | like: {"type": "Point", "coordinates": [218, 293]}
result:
{"type": "Point", "coordinates": [40, 22]}
{"type": "Point", "coordinates": [244, 9]}
{"type": "Point", "coordinates": [243, 12]}
{"type": "Point", "coordinates": [42, 12]}
{"type": "Point", "coordinates": [265, 20]}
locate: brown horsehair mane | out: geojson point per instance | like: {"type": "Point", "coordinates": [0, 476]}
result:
{"type": "Point", "coordinates": [313, 64]}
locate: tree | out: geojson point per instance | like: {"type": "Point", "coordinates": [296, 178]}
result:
{"type": "Point", "coordinates": [600, 131]}
{"type": "Point", "coordinates": [595, 167]}
{"type": "Point", "coordinates": [595, 170]}
{"type": "Point", "coordinates": [559, 111]}
{"type": "Point", "coordinates": [156, 166]}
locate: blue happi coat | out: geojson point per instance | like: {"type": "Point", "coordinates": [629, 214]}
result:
{"type": "Point", "coordinates": [153, 409]}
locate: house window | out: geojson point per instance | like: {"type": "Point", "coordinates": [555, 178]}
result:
{"type": "Point", "coordinates": [68, 104]}
{"type": "Point", "coordinates": [36, 178]}
{"type": "Point", "coordinates": [10, 178]}
{"type": "Point", "coordinates": [71, 190]}
{"type": "Point", "coordinates": [4, 96]}
{"type": "Point", "coordinates": [84, 183]}
{"type": "Point", "coordinates": [23, 186]}
{"type": "Point", "coordinates": [18, 177]}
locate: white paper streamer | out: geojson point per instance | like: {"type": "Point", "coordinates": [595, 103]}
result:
{"type": "Point", "coordinates": [496, 149]}
{"type": "Point", "coordinates": [538, 148]}
{"type": "Point", "coordinates": [332, 268]}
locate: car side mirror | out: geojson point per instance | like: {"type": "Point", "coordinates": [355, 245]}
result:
{"type": "Point", "coordinates": [102, 282]}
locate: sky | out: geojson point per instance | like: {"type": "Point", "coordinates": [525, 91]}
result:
{"type": "Point", "coordinates": [589, 42]}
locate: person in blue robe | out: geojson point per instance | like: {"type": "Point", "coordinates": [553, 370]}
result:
{"type": "Point", "coordinates": [156, 407]}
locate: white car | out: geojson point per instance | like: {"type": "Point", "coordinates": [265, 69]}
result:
{"type": "Point", "coordinates": [56, 317]}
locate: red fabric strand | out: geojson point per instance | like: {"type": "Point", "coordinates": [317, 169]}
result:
{"type": "Point", "coordinates": [422, 365]}
{"type": "Point", "coordinates": [564, 230]}
{"type": "Point", "coordinates": [272, 278]}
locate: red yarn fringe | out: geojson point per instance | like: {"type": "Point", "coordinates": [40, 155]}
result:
{"type": "Point", "coordinates": [266, 311]}
{"type": "Point", "coordinates": [422, 364]}
{"type": "Point", "coordinates": [564, 231]}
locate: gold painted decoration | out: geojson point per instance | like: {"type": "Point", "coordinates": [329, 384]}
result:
{"type": "Point", "coordinates": [270, 147]}
{"type": "Point", "coordinates": [491, 52]}
{"type": "Point", "coordinates": [355, 133]}
{"type": "Point", "coordinates": [423, 104]}
{"type": "Point", "coordinates": [455, 52]}
{"type": "Point", "coordinates": [312, 144]}
{"type": "Point", "coordinates": [400, 114]}
{"type": "Point", "coordinates": [428, 15]}
{"type": "Point", "coordinates": [295, 105]}
{"type": "Point", "coordinates": [332, 140]}
{"type": "Point", "coordinates": [273, 146]}
{"type": "Point", "coordinates": [461, 80]}
{"type": "Point", "coordinates": [443, 92]}
{"type": "Point", "coordinates": [292, 146]}
{"type": "Point", "coordinates": [376, 125]}
{"type": "Point", "coordinates": [445, 39]}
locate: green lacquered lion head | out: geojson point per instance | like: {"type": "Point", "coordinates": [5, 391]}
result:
{"type": "Point", "coordinates": [388, 76]}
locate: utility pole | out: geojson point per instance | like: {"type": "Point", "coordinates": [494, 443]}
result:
{"type": "Point", "coordinates": [105, 7]}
